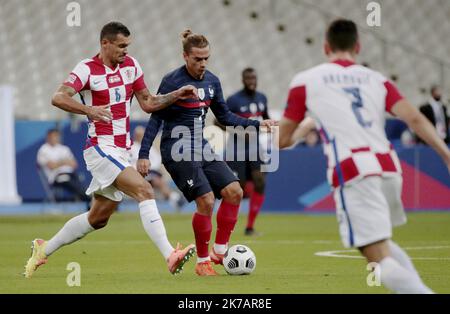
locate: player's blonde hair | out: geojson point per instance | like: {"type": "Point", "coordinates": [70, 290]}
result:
{"type": "Point", "coordinates": [191, 40]}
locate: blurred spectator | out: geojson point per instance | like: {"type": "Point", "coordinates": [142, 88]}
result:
{"type": "Point", "coordinates": [155, 177]}
{"type": "Point", "coordinates": [436, 111]}
{"type": "Point", "coordinates": [407, 139]}
{"type": "Point", "coordinates": [312, 139]}
{"type": "Point", "coordinates": [59, 166]}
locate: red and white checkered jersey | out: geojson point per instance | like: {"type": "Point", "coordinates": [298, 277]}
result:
{"type": "Point", "coordinates": [348, 102]}
{"type": "Point", "coordinates": [100, 85]}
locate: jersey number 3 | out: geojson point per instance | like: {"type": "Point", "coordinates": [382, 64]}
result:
{"type": "Point", "coordinates": [357, 105]}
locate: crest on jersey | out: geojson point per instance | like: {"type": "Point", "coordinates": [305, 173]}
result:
{"type": "Point", "coordinates": [261, 106]}
{"type": "Point", "coordinates": [129, 74]}
{"type": "Point", "coordinates": [211, 92]}
{"type": "Point", "coordinates": [253, 108]}
{"type": "Point", "coordinates": [201, 93]}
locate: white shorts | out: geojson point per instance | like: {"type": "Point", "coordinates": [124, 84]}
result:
{"type": "Point", "coordinates": [368, 210]}
{"type": "Point", "coordinates": [105, 164]}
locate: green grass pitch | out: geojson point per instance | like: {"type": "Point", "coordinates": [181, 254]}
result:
{"type": "Point", "coordinates": [121, 259]}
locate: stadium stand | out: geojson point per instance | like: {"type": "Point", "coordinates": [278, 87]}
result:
{"type": "Point", "coordinates": [278, 38]}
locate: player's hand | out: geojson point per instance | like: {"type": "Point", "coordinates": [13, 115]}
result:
{"type": "Point", "coordinates": [187, 92]}
{"type": "Point", "coordinates": [100, 113]}
{"type": "Point", "coordinates": [143, 167]}
{"type": "Point", "coordinates": [267, 125]}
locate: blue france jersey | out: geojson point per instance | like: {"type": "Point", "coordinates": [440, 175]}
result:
{"type": "Point", "coordinates": [189, 114]}
{"type": "Point", "coordinates": [248, 106]}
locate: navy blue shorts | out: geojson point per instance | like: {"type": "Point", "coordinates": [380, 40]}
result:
{"type": "Point", "coordinates": [197, 178]}
{"type": "Point", "coordinates": [243, 169]}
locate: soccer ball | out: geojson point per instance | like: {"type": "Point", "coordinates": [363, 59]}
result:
{"type": "Point", "coordinates": [239, 260]}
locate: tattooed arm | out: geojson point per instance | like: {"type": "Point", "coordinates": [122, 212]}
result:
{"type": "Point", "coordinates": [63, 100]}
{"type": "Point", "coordinates": [151, 103]}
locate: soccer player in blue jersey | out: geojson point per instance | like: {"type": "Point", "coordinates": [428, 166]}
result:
{"type": "Point", "coordinates": [249, 103]}
{"type": "Point", "coordinates": [198, 174]}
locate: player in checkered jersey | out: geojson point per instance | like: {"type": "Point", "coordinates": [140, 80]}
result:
{"type": "Point", "coordinates": [107, 84]}
{"type": "Point", "coordinates": [348, 102]}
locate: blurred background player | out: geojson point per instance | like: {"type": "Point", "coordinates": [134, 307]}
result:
{"type": "Point", "coordinates": [107, 83]}
{"type": "Point", "coordinates": [436, 112]}
{"type": "Point", "coordinates": [349, 101]}
{"type": "Point", "coordinates": [155, 176]}
{"type": "Point", "coordinates": [59, 166]}
{"type": "Point", "coordinates": [251, 104]}
{"type": "Point", "coordinates": [195, 168]}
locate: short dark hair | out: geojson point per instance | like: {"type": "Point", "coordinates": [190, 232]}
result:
{"type": "Point", "coordinates": [112, 29]}
{"type": "Point", "coordinates": [51, 131]}
{"type": "Point", "coordinates": [434, 88]}
{"type": "Point", "coordinates": [248, 70]}
{"type": "Point", "coordinates": [342, 35]}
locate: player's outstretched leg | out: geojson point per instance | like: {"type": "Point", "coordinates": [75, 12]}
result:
{"type": "Point", "coordinates": [227, 217]}
{"type": "Point", "coordinates": [394, 276]}
{"type": "Point", "coordinates": [38, 257]}
{"type": "Point", "coordinates": [402, 258]}
{"type": "Point", "coordinates": [202, 225]}
{"type": "Point", "coordinates": [179, 257]}
{"type": "Point", "coordinates": [74, 230]}
{"type": "Point", "coordinates": [256, 201]}
{"type": "Point", "coordinates": [131, 183]}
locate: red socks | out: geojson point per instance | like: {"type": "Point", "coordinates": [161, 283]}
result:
{"type": "Point", "coordinates": [227, 217]}
{"type": "Point", "coordinates": [202, 229]}
{"type": "Point", "coordinates": [249, 189]}
{"type": "Point", "coordinates": [256, 202]}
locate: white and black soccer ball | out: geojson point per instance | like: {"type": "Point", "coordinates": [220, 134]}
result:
{"type": "Point", "coordinates": [239, 260]}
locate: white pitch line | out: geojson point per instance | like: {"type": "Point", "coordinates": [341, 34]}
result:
{"type": "Point", "coordinates": [338, 253]}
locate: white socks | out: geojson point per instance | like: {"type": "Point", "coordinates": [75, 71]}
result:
{"type": "Point", "coordinates": [203, 259]}
{"type": "Point", "coordinates": [78, 227]}
{"type": "Point", "coordinates": [399, 279]}
{"type": "Point", "coordinates": [154, 227]}
{"type": "Point", "coordinates": [400, 256]}
{"type": "Point", "coordinates": [220, 248]}
{"type": "Point", "coordinates": [75, 229]}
